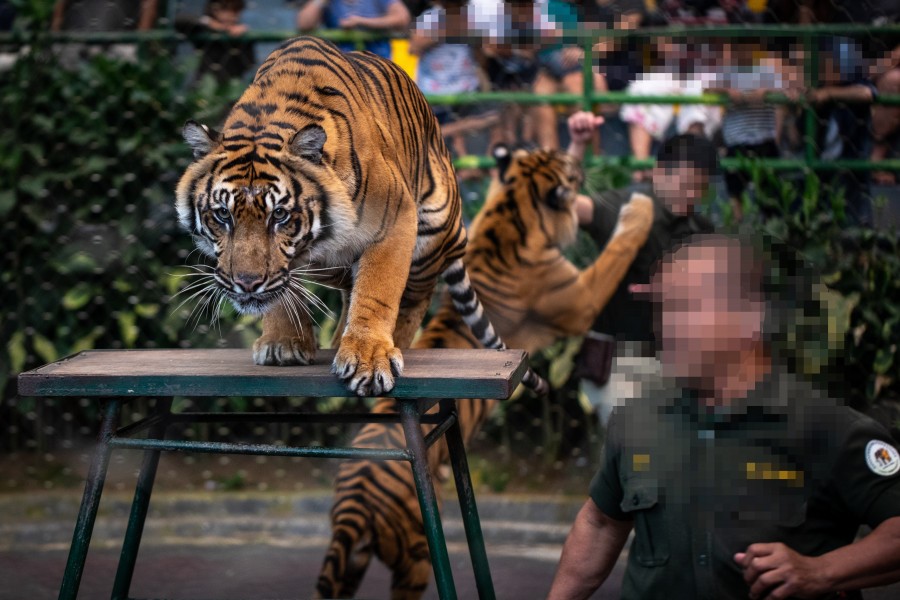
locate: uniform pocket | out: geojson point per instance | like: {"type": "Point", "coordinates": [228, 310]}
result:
{"type": "Point", "coordinates": [641, 502]}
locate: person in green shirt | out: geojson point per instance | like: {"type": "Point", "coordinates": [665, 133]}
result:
{"type": "Point", "coordinates": [739, 479]}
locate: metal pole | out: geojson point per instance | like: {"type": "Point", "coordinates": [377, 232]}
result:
{"type": "Point", "coordinates": [431, 517]}
{"type": "Point", "coordinates": [469, 510]}
{"type": "Point", "coordinates": [87, 514]}
{"type": "Point", "coordinates": [144, 488]}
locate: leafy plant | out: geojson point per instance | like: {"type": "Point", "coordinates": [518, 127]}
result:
{"type": "Point", "coordinates": [92, 251]}
{"type": "Point", "coordinates": [844, 282]}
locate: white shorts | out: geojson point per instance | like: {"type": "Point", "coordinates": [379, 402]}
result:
{"type": "Point", "coordinates": [657, 118]}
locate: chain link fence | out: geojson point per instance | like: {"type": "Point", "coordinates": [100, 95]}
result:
{"type": "Point", "coordinates": [93, 258]}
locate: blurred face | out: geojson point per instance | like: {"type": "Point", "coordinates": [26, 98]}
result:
{"type": "Point", "coordinates": [703, 324]}
{"type": "Point", "coordinates": [679, 187]}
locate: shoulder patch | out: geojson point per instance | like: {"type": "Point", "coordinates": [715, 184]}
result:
{"type": "Point", "coordinates": [882, 458]}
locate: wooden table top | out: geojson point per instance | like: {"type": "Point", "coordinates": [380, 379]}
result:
{"type": "Point", "coordinates": [428, 373]}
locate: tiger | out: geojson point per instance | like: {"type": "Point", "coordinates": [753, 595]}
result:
{"type": "Point", "coordinates": [330, 168]}
{"type": "Point", "coordinates": [534, 296]}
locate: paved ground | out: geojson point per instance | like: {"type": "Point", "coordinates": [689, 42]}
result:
{"type": "Point", "coordinates": [251, 549]}
{"type": "Point", "coordinates": [261, 571]}
{"type": "Point", "coordinates": [267, 546]}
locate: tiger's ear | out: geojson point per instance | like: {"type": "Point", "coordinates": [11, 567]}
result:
{"type": "Point", "coordinates": [503, 156]}
{"type": "Point", "coordinates": [308, 143]}
{"type": "Point", "coordinates": [200, 138]}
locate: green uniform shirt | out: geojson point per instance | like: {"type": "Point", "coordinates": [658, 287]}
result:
{"type": "Point", "coordinates": [786, 464]}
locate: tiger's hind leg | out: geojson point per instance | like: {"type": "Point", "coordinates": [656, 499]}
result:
{"type": "Point", "coordinates": [410, 579]}
{"type": "Point", "coordinates": [356, 570]}
{"type": "Point", "coordinates": [345, 566]}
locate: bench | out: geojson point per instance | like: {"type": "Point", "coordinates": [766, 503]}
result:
{"type": "Point", "coordinates": [431, 377]}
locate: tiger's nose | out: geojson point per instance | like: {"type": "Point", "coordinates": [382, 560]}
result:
{"type": "Point", "coordinates": [247, 282]}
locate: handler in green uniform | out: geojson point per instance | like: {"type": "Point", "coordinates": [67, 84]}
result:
{"type": "Point", "coordinates": [745, 482]}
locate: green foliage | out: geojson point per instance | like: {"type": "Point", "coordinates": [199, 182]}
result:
{"type": "Point", "coordinates": [92, 249]}
{"type": "Point", "coordinates": [840, 283]}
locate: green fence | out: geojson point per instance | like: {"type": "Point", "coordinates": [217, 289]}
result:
{"type": "Point", "coordinates": [805, 34]}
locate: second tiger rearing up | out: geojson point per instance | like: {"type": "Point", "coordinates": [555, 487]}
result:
{"type": "Point", "coordinates": [331, 164]}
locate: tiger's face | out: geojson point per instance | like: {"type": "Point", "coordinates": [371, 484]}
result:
{"type": "Point", "coordinates": [551, 180]}
{"type": "Point", "coordinates": [262, 211]}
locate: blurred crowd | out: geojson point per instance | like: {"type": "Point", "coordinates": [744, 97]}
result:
{"type": "Point", "coordinates": [456, 47]}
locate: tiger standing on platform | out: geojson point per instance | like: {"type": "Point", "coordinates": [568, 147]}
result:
{"type": "Point", "coordinates": [331, 169]}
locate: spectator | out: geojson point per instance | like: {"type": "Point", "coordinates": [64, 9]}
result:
{"type": "Point", "coordinates": [226, 59]}
{"type": "Point", "coordinates": [381, 16]}
{"type": "Point", "coordinates": [843, 121]}
{"type": "Point", "coordinates": [749, 126]}
{"type": "Point", "coordinates": [680, 179]}
{"type": "Point", "coordinates": [882, 74]}
{"type": "Point", "coordinates": [448, 67]}
{"type": "Point", "coordinates": [101, 16]}
{"type": "Point", "coordinates": [510, 57]}
{"type": "Point", "coordinates": [885, 73]}
{"type": "Point", "coordinates": [650, 124]}
{"type": "Point", "coordinates": [739, 479]}
{"type": "Point", "coordinates": [618, 61]}
{"type": "Point", "coordinates": [559, 65]}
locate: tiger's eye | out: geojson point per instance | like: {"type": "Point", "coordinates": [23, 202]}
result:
{"type": "Point", "coordinates": [280, 214]}
{"type": "Point", "coordinates": [222, 213]}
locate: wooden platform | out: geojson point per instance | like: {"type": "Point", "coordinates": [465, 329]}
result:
{"type": "Point", "coordinates": [428, 373]}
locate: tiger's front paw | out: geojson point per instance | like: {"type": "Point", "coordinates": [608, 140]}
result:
{"type": "Point", "coordinates": [635, 215]}
{"type": "Point", "coordinates": [367, 364]}
{"type": "Point", "coordinates": [283, 350]}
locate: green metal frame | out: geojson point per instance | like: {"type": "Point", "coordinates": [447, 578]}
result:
{"type": "Point", "coordinates": [807, 34]}
{"type": "Point", "coordinates": [432, 378]}
{"type": "Point", "coordinates": [411, 416]}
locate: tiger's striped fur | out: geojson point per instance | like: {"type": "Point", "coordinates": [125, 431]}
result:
{"type": "Point", "coordinates": [330, 167]}
{"type": "Point", "coordinates": [534, 296]}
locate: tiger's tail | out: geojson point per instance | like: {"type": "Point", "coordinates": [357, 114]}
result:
{"type": "Point", "coordinates": [349, 553]}
{"type": "Point", "coordinates": [472, 312]}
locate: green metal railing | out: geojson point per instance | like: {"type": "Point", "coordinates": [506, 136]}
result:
{"type": "Point", "coordinates": [807, 35]}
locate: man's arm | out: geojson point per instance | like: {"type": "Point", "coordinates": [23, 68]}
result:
{"type": "Point", "coordinates": [149, 10]}
{"type": "Point", "coordinates": [776, 571]}
{"type": "Point", "coordinates": [844, 93]}
{"type": "Point", "coordinates": [582, 129]}
{"type": "Point", "coordinates": [309, 16]}
{"type": "Point", "coordinates": [396, 17]}
{"type": "Point", "coordinates": [590, 553]}
{"type": "Point", "coordinates": [59, 13]}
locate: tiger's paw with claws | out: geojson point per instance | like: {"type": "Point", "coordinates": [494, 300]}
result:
{"type": "Point", "coordinates": [366, 364]}
{"type": "Point", "coordinates": [283, 350]}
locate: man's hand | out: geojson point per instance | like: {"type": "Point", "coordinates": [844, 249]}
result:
{"type": "Point", "coordinates": [583, 125]}
{"type": "Point", "coordinates": [774, 571]}
{"type": "Point", "coordinates": [351, 21]}
{"type": "Point", "coordinates": [818, 95]}
{"type": "Point", "coordinates": [571, 56]}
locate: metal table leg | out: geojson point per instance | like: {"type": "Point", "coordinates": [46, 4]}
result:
{"type": "Point", "coordinates": [469, 511]}
{"type": "Point", "coordinates": [87, 514]}
{"type": "Point", "coordinates": [431, 517]}
{"type": "Point", "coordinates": [139, 506]}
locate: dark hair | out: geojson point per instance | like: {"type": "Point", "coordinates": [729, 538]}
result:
{"type": "Point", "coordinates": [235, 5]}
{"type": "Point", "coordinates": [689, 150]}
